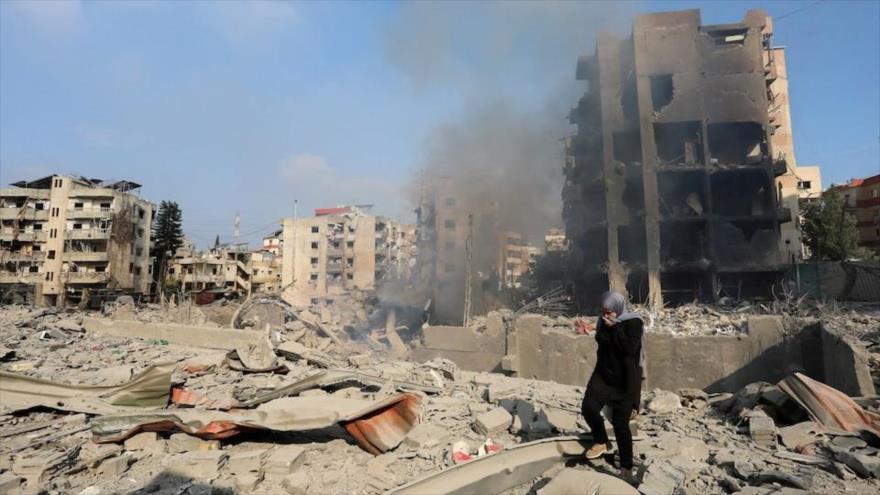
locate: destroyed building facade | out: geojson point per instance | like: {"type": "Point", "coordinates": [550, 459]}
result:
{"type": "Point", "coordinates": [234, 268]}
{"type": "Point", "coordinates": [63, 237]}
{"type": "Point", "coordinates": [342, 248]}
{"type": "Point", "coordinates": [670, 190]}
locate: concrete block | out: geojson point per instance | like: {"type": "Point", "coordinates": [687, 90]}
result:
{"type": "Point", "coordinates": [114, 466]}
{"type": "Point", "coordinates": [181, 442]}
{"type": "Point", "coordinates": [205, 464]}
{"type": "Point", "coordinates": [296, 484]}
{"type": "Point", "coordinates": [499, 391]}
{"type": "Point", "coordinates": [284, 460]}
{"type": "Point", "coordinates": [425, 436]}
{"type": "Point", "coordinates": [762, 429]}
{"type": "Point", "coordinates": [146, 441]}
{"type": "Point", "coordinates": [562, 421]}
{"type": "Point", "coordinates": [662, 478]}
{"type": "Point", "coordinates": [360, 360]}
{"type": "Point", "coordinates": [493, 422]}
{"type": "Point", "coordinates": [793, 436]}
{"type": "Point", "coordinates": [10, 484]}
{"type": "Point", "coordinates": [246, 482]}
{"type": "Point", "coordinates": [247, 462]}
{"type": "Point", "coordinates": [510, 362]}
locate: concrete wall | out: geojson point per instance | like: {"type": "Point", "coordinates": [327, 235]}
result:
{"type": "Point", "coordinates": [472, 349]}
{"type": "Point", "coordinates": [714, 363]}
{"type": "Point", "coordinates": [196, 336]}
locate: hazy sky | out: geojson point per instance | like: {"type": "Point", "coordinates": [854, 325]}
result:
{"type": "Point", "coordinates": [229, 106]}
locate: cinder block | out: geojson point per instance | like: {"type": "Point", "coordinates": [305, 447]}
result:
{"type": "Point", "coordinates": [424, 436]}
{"type": "Point", "coordinates": [284, 460]}
{"type": "Point", "coordinates": [204, 464]}
{"type": "Point", "coordinates": [493, 422]}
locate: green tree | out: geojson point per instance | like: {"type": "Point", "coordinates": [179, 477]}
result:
{"type": "Point", "coordinates": [217, 241]}
{"type": "Point", "coordinates": [829, 230]}
{"type": "Point", "coordinates": [167, 236]}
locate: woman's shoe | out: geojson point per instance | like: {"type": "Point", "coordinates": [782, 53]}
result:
{"type": "Point", "coordinates": [598, 450]}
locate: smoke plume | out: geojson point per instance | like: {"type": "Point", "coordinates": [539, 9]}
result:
{"type": "Point", "coordinates": [511, 66]}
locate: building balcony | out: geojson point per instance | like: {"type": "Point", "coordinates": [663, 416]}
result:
{"type": "Point", "coordinates": [23, 213]}
{"type": "Point", "coordinates": [38, 236]}
{"type": "Point", "coordinates": [21, 257]}
{"type": "Point", "coordinates": [75, 213]}
{"type": "Point", "coordinates": [203, 278]}
{"type": "Point", "coordinates": [93, 192]}
{"type": "Point", "coordinates": [79, 256]}
{"type": "Point", "coordinates": [20, 278]}
{"type": "Point", "coordinates": [87, 277]}
{"type": "Point", "coordinates": [24, 192]}
{"type": "Point", "coordinates": [85, 234]}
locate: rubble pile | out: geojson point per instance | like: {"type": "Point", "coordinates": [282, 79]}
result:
{"type": "Point", "coordinates": [298, 413]}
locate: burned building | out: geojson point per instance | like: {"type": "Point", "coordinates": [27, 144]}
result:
{"type": "Point", "coordinates": [670, 181]}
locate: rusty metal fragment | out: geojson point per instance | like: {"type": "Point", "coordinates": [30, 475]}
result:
{"type": "Point", "coordinates": [828, 406]}
{"type": "Point", "coordinates": [377, 425]}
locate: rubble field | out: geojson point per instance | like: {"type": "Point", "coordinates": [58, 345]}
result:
{"type": "Point", "coordinates": [311, 407]}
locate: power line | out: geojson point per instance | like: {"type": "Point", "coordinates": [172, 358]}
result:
{"type": "Point", "coordinates": [795, 11]}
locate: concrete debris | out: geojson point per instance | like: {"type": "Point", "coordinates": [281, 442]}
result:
{"type": "Point", "coordinates": [571, 481]}
{"type": "Point", "coordinates": [201, 464]}
{"type": "Point", "coordinates": [426, 436]}
{"type": "Point", "coordinates": [762, 429]}
{"type": "Point", "coordinates": [493, 422]}
{"type": "Point", "coordinates": [284, 460]}
{"type": "Point", "coordinates": [799, 435]}
{"type": "Point", "coordinates": [662, 401]}
{"type": "Point", "coordinates": [347, 418]}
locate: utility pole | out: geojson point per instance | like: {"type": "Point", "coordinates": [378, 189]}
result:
{"type": "Point", "coordinates": [468, 249]}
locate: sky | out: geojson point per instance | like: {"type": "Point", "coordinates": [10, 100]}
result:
{"type": "Point", "coordinates": [246, 107]}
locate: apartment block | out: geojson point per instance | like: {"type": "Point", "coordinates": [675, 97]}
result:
{"type": "Point", "coordinates": [222, 267]}
{"type": "Point", "coordinates": [670, 191]}
{"type": "Point", "coordinates": [862, 199]}
{"type": "Point", "coordinates": [63, 237]}
{"type": "Point", "coordinates": [339, 249]}
{"type": "Point", "coordinates": [515, 258]}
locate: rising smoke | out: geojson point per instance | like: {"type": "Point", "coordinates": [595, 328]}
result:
{"type": "Point", "coordinates": [512, 65]}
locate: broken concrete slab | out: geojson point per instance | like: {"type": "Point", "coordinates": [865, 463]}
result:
{"type": "Point", "coordinates": [149, 389]}
{"type": "Point", "coordinates": [203, 465]}
{"type": "Point", "coordinates": [10, 484]}
{"type": "Point", "coordinates": [181, 442]}
{"type": "Point", "coordinates": [191, 335]}
{"type": "Point", "coordinates": [147, 441]}
{"type": "Point", "coordinates": [562, 421]}
{"type": "Point", "coordinates": [425, 436]}
{"type": "Point", "coordinates": [296, 484]}
{"type": "Point", "coordinates": [114, 466]}
{"type": "Point", "coordinates": [247, 462]}
{"type": "Point", "coordinates": [663, 401]}
{"type": "Point", "coordinates": [662, 477]}
{"type": "Point", "coordinates": [495, 473]}
{"type": "Point", "coordinates": [284, 460]}
{"type": "Point", "coordinates": [572, 481]}
{"type": "Point", "coordinates": [798, 435]}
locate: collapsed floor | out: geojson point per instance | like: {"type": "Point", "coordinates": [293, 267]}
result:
{"type": "Point", "coordinates": [759, 440]}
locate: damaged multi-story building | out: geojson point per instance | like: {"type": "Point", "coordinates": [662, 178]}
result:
{"type": "Point", "coordinates": [670, 191]}
{"type": "Point", "coordinates": [342, 248]}
{"type": "Point", "coordinates": [63, 238]}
